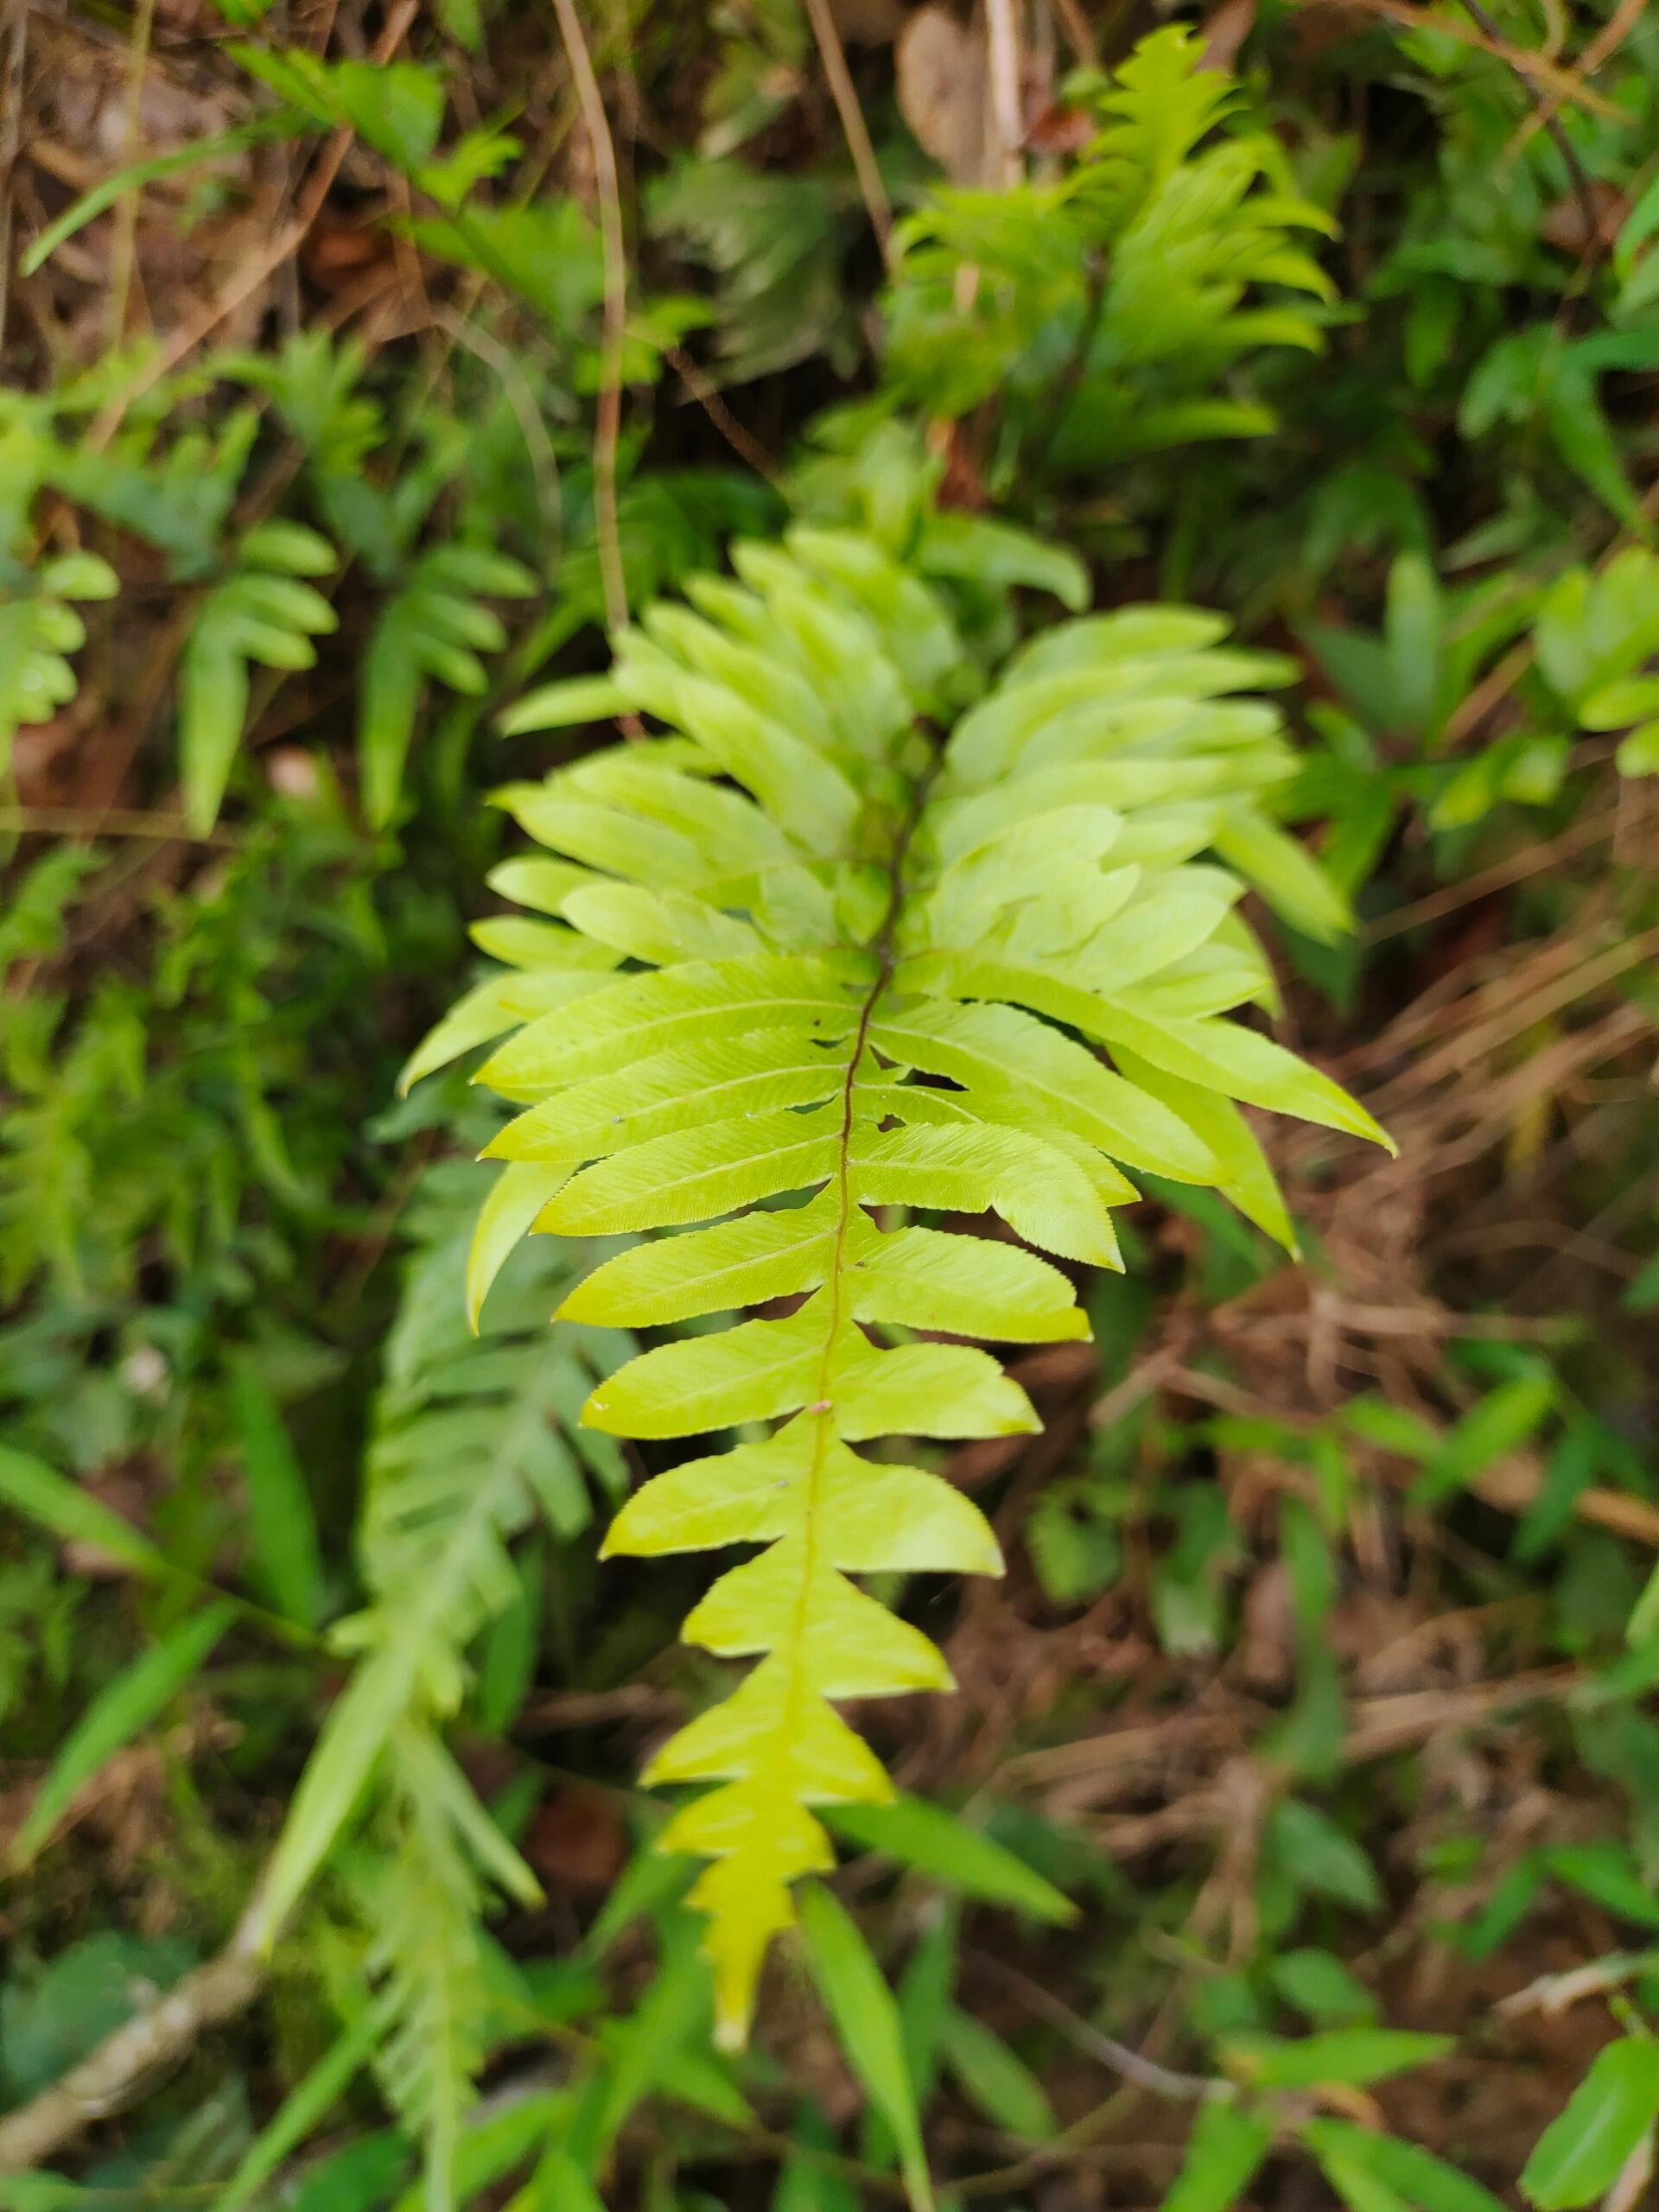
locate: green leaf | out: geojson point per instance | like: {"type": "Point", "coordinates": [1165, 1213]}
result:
{"type": "Point", "coordinates": [1360, 2187]}
{"type": "Point", "coordinates": [1317, 1855]}
{"type": "Point", "coordinates": [866, 2021]}
{"type": "Point", "coordinates": [1500, 1424]}
{"type": "Point", "coordinates": [559, 2184]}
{"type": "Point", "coordinates": [935, 1841]}
{"type": "Point", "coordinates": [434, 627]}
{"type": "Point", "coordinates": [491, 2142]}
{"type": "Point", "coordinates": [389, 697]}
{"type": "Point", "coordinates": [1585, 2149]}
{"type": "Point", "coordinates": [511, 1646]}
{"type": "Point", "coordinates": [41, 2193]}
{"type": "Point", "coordinates": [1286, 873]}
{"type": "Point", "coordinates": [674, 2009]}
{"type": "Point", "coordinates": [1058, 1082]}
{"type": "Point", "coordinates": [471, 1444]}
{"type": "Point", "coordinates": [1414, 2175]}
{"type": "Point", "coordinates": [135, 174]}
{"type": "Point", "coordinates": [32, 1488]}
{"type": "Point", "coordinates": [565, 705]}
{"type": "Point", "coordinates": [1584, 438]}
{"type": "Point", "coordinates": [360, 2177]}
{"type": "Point", "coordinates": [301, 2111]}
{"type": "Point", "coordinates": [1317, 1984]}
{"type": "Point", "coordinates": [117, 1714]}
{"type": "Point", "coordinates": [997, 2079]}
{"type": "Point", "coordinates": [283, 1526]}
{"type": "Point", "coordinates": [1222, 2153]}
{"type": "Point", "coordinates": [1607, 1873]}
{"type": "Point", "coordinates": [213, 707]}
{"type": "Point", "coordinates": [549, 254]}
{"type": "Point", "coordinates": [976, 550]}
{"type": "Point", "coordinates": [396, 107]}
{"type": "Point", "coordinates": [1348, 2057]}
{"type": "Point", "coordinates": [255, 615]}
{"type": "Point", "coordinates": [809, 2183]}
{"type": "Point", "coordinates": [651, 1881]}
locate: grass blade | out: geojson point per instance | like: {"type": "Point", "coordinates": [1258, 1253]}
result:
{"type": "Point", "coordinates": [116, 1716]}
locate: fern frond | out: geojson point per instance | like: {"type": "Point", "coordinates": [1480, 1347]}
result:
{"type": "Point", "coordinates": [1160, 108]}
{"type": "Point", "coordinates": [868, 971]}
{"type": "Point", "coordinates": [38, 631]}
{"type": "Point", "coordinates": [179, 500]}
{"type": "Point", "coordinates": [1134, 279]}
{"type": "Point", "coordinates": [428, 1959]}
{"type": "Point", "coordinates": [434, 627]}
{"type": "Point", "coordinates": [262, 613]}
{"type": "Point", "coordinates": [474, 1438]}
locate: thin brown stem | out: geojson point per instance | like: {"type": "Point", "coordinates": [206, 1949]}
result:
{"type": "Point", "coordinates": [854, 130]}
{"type": "Point", "coordinates": [742, 442]}
{"type": "Point", "coordinates": [126, 211]}
{"type": "Point", "coordinates": [13, 64]}
{"type": "Point", "coordinates": [1140, 2073]}
{"type": "Point", "coordinates": [110, 821]}
{"type": "Point", "coordinates": [608, 425]}
{"type": "Point", "coordinates": [1583, 191]}
{"type": "Point", "coordinates": [1600, 50]}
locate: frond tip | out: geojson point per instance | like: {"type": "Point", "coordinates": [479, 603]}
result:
{"type": "Point", "coordinates": [871, 974]}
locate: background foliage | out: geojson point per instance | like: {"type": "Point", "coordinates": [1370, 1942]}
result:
{"type": "Point", "coordinates": [1292, 1834]}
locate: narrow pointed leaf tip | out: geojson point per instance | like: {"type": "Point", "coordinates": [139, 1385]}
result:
{"type": "Point", "coordinates": [806, 981]}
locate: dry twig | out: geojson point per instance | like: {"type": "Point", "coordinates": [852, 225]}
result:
{"type": "Point", "coordinates": [126, 2065]}
{"type": "Point", "coordinates": [1141, 2073]}
{"type": "Point", "coordinates": [1600, 50]}
{"type": "Point", "coordinates": [14, 62]}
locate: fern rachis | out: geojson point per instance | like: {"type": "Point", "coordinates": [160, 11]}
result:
{"type": "Point", "coordinates": [867, 962]}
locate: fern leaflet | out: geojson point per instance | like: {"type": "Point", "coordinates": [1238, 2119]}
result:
{"type": "Point", "coordinates": [36, 634]}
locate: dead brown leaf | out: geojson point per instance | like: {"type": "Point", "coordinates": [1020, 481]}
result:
{"type": "Point", "coordinates": [337, 249]}
{"type": "Point", "coordinates": [943, 91]}
{"type": "Point", "coordinates": [1567, 225]}
{"type": "Point", "coordinates": [1225, 29]}
{"type": "Point", "coordinates": [577, 1841]}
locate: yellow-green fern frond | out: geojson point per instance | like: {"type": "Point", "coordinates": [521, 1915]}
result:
{"type": "Point", "coordinates": [806, 970]}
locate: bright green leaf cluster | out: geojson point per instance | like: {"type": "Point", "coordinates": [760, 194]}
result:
{"type": "Point", "coordinates": [37, 631]}
{"type": "Point", "coordinates": [1151, 268]}
{"type": "Point", "coordinates": [1596, 635]}
{"type": "Point", "coordinates": [1607, 2121]}
{"type": "Point", "coordinates": [436, 627]}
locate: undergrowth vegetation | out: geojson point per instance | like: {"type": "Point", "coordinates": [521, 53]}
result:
{"type": "Point", "coordinates": [874, 783]}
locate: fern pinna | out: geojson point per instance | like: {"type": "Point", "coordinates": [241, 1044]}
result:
{"type": "Point", "coordinates": [808, 969]}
